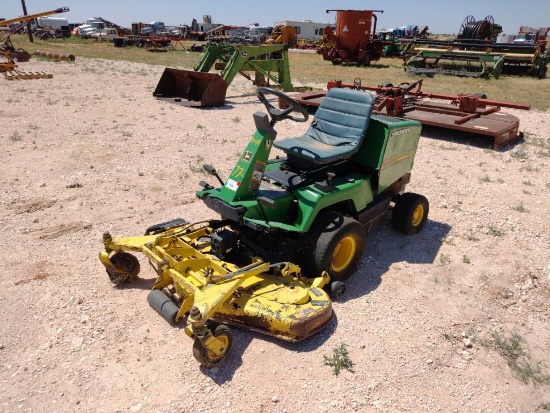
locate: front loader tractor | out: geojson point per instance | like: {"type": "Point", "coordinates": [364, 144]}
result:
{"type": "Point", "coordinates": [291, 230]}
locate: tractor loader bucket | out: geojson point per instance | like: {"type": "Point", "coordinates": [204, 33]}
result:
{"type": "Point", "coordinates": [190, 88]}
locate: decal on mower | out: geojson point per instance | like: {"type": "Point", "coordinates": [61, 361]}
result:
{"type": "Point", "coordinates": [396, 159]}
{"type": "Point", "coordinates": [399, 132]}
{"type": "Point", "coordinates": [233, 185]}
{"type": "Point", "coordinates": [238, 171]}
{"type": "Point", "coordinates": [247, 156]}
{"type": "Point", "coordinates": [268, 144]}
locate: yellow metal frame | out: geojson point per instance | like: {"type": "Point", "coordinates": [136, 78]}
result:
{"type": "Point", "coordinates": [207, 288]}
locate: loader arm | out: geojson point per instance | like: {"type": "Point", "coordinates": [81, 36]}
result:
{"type": "Point", "coordinates": [210, 56]}
{"type": "Point", "coordinates": [245, 58]}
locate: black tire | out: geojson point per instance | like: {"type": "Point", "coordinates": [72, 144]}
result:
{"type": "Point", "coordinates": [128, 266]}
{"type": "Point", "coordinates": [334, 244]}
{"type": "Point", "coordinates": [410, 213]}
{"type": "Point", "coordinates": [205, 357]}
{"type": "Point", "coordinates": [336, 289]}
{"type": "Point", "coordinates": [163, 305]}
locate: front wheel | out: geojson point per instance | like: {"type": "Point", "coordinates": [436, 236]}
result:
{"type": "Point", "coordinates": [216, 349]}
{"type": "Point", "coordinates": [335, 244]}
{"type": "Point", "coordinates": [127, 267]}
{"type": "Point", "coordinates": [410, 213]}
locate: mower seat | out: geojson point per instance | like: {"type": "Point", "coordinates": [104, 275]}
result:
{"type": "Point", "coordinates": [336, 132]}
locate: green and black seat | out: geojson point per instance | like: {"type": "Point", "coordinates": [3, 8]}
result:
{"type": "Point", "coordinates": [336, 132]}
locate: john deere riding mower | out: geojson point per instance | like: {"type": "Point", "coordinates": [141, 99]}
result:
{"type": "Point", "coordinates": [291, 229]}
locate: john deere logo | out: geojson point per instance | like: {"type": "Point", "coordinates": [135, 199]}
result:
{"type": "Point", "coordinates": [399, 132]}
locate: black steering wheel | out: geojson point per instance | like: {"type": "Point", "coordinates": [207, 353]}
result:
{"type": "Point", "coordinates": [290, 105]}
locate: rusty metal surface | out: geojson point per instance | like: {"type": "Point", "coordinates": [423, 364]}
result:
{"type": "Point", "coordinates": [190, 88]}
{"type": "Point", "coordinates": [467, 114]}
{"type": "Point", "coordinates": [55, 56]}
{"type": "Point", "coordinates": [502, 127]}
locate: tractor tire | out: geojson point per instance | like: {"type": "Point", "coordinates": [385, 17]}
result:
{"type": "Point", "coordinates": [410, 213]}
{"type": "Point", "coordinates": [334, 244]}
{"type": "Point", "coordinates": [206, 357]}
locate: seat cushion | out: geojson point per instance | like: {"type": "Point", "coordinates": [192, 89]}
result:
{"type": "Point", "coordinates": [337, 130]}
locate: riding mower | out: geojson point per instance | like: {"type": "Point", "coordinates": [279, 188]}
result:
{"type": "Point", "coordinates": [291, 230]}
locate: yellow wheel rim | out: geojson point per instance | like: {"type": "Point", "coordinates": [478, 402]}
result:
{"type": "Point", "coordinates": [218, 348]}
{"type": "Point", "coordinates": [343, 254]}
{"type": "Point", "coordinates": [417, 215]}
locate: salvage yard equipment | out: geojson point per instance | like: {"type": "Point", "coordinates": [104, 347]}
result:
{"type": "Point", "coordinates": [479, 58]}
{"type": "Point", "coordinates": [465, 63]}
{"type": "Point", "coordinates": [354, 40]}
{"type": "Point", "coordinates": [284, 35]}
{"type": "Point", "coordinates": [485, 29]}
{"type": "Point", "coordinates": [7, 51]}
{"type": "Point", "coordinates": [198, 88]}
{"type": "Point", "coordinates": [18, 23]}
{"type": "Point", "coordinates": [17, 75]}
{"type": "Point", "coordinates": [8, 63]}
{"type": "Point", "coordinates": [473, 114]}
{"type": "Point", "coordinates": [476, 52]}
{"type": "Point", "coordinates": [291, 230]}
{"type": "Point", "coordinates": [55, 56]}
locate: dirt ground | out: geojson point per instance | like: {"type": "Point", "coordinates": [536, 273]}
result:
{"type": "Point", "coordinates": [426, 319]}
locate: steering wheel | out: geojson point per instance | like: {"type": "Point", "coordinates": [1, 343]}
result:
{"type": "Point", "coordinates": [279, 114]}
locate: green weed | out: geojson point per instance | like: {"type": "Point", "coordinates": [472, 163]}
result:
{"type": "Point", "coordinates": [512, 349]}
{"type": "Point", "coordinates": [339, 360]}
{"type": "Point", "coordinates": [495, 232]}
{"type": "Point", "coordinates": [519, 207]}
{"type": "Point", "coordinates": [519, 154]}
{"type": "Point", "coordinates": [16, 136]}
{"type": "Point", "coordinates": [444, 259]}
{"type": "Point", "coordinates": [471, 236]}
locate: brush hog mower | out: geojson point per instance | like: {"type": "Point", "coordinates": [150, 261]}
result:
{"type": "Point", "coordinates": [291, 229]}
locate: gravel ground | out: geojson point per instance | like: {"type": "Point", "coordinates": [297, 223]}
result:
{"type": "Point", "coordinates": [91, 150]}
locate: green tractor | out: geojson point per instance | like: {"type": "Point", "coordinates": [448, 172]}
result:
{"type": "Point", "coordinates": [291, 229]}
{"type": "Point", "coordinates": [315, 206]}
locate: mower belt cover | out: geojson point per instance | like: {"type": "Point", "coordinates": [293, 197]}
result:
{"type": "Point", "coordinates": [195, 89]}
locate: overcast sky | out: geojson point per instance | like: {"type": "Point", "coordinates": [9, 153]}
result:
{"type": "Point", "coordinates": [441, 16]}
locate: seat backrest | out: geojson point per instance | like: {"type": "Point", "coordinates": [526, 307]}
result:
{"type": "Point", "coordinates": [342, 118]}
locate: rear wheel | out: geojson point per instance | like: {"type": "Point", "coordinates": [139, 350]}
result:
{"type": "Point", "coordinates": [335, 244]}
{"type": "Point", "coordinates": [410, 213]}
